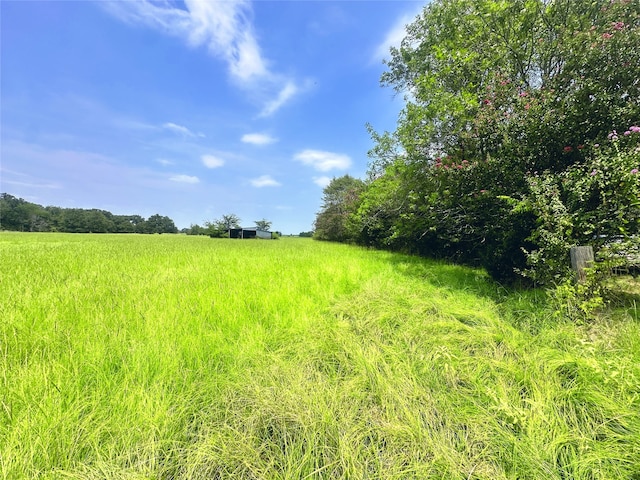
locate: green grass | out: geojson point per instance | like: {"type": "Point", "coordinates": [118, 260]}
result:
{"type": "Point", "coordinates": [166, 357]}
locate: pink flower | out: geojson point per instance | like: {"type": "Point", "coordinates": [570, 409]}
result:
{"type": "Point", "coordinates": [487, 101]}
{"type": "Point", "coordinates": [618, 25]}
{"type": "Point", "coordinates": [606, 36]}
{"type": "Point", "coordinates": [627, 133]}
{"type": "Point", "coordinates": [634, 171]}
{"type": "Point", "coordinates": [527, 106]}
{"type": "Point", "coordinates": [523, 94]}
{"type": "Point", "coordinates": [634, 128]}
{"type": "Point", "coordinates": [597, 145]}
{"type": "Point", "coordinates": [594, 172]}
{"type": "Point", "coordinates": [567, 149]}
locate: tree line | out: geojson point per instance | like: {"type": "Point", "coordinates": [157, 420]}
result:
{"type": "Point", "coordinates": [20, 215]}
{"type": "Point", "coordinates": [518, 139]}
{"type": "Point", "coordinates": [17, 214]}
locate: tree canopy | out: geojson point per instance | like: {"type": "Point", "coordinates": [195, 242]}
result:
{"type": "Point", "coordinates": [263, 224]}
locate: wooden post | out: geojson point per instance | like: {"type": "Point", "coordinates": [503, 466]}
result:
{"type": "Point", "coordinates": [581, 258]}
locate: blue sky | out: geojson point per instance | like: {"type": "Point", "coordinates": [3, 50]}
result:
{"type": "Point", "coordinates": [193, 109]}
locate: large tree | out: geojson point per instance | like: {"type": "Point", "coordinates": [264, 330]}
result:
{"type": "Point", "coordinates": [497, 92]}
{"type": "Point", "coordinates": [338, 203]}
{"type": "Point", "coordinates": [482, 76]}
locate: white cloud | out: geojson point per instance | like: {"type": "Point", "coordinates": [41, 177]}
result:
{"type": "Point", "coordinates": [394, 36]}
{"type": "Point", "coordinates": [264, 181]}
{"type": "Point", "coordinates": [164, 161]}
{"type": "Point", "coordinates": [258, 138]}
{"type": "Point", "coordinates": [184, 179]}
{"type": "Point", "coordinates": [287, 92]}
{"type": "Point", "coordinates": [322, 181]}
{"type": "Point", "coordinates": [323, 161]}
{"type": "Point", "coordinates": [179, 129]}
{"type": "Point", "coordinates": [225, 28]}
{"type": "Point", "coordinates": [210, 161]}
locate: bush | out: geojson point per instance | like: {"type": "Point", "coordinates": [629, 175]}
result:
{"type": "Point", "coordinates": [596, 203]}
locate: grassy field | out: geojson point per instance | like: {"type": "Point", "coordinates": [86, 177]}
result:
{"type": "Point", "coordinates": [171, 357]}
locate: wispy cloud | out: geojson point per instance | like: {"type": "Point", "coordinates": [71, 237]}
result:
{"type": "Point", "coordinates": [258, 139]}
{"type": "Point", "coordinates": [32, 167]}
{"type": "Point", "coordinates": [211, 161]}
{"type": "Point", "coordinates": [323, 161]}
{"type": "Point", "coordinates": [225, 28]}
{"type": "Point", "coordinates": [164, 161]}
{"type": "Point", "coordinates": [394, 35]}
{"type": "Point", "coordinates": [264, 181]}
{"type": "Point", "coordinates": [184, 179]}
{"type": "Point", "coordinates": [32, 185]}
{"type": "Point", "coordinates": [181, 130]}
{"type": "Point", "coordinates": [287, 92]}
{"type": "Point", "coordinates": [322, 181]}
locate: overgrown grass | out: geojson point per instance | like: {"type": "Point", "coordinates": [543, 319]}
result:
{"type": "Point", "coordinates": [162, 357]}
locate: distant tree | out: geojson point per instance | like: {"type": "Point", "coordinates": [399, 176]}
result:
{"type": "Point", "coordinates": [339, 202]}
{"type": "Point", "coordinates": [18, 214]}
{"type": "Point", "coordinates": [137, 222]}
{"type": "Point", "coordinates": [55, 217]}
{"type": "Point", "coordinates": [219, 227]}
{"type": "Point", "coordinates": [122, 224]}
{"type": "Point", "coordinates": [97, 221]}
{"type": "Point", "coordinates": [195, 229]}
{"type": "Point", "coordinates": [159, 224]}
{"type": "Point", "coordinates": [74, 220]}
{"type": "Point", "coordinates": [214, 228]}
{"type": "Point", "coordinates": [230, 220]}
{"type": "Point", "coordinates": [263, 225]}
{"type": "Point", "coordinates": [306, 234]}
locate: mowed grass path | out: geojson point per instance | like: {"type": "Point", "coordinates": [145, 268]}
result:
{"type": "Point", "coordinates": [171, 357]}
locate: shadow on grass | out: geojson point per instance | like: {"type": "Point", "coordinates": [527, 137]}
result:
{"type": "Point", "coordinates": [625, 293]}
{"type": "Point", "coordinates": [523, 307]}
{"type": "Point", "coordinates": [441, 273]}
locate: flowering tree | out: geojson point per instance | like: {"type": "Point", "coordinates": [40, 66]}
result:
{"type": "Point", "coordinates": [526, 77]}
{"type": "Point", "coordinates": [505, 104]}
{"type": "Point", "coordinates": [596, 203]}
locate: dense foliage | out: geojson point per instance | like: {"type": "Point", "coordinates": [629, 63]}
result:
{"type": "Point", "coordinates": [338, 201]}
{"type": "Point", "coordinates": [17, 214]}
{"type": "Point", "coordinates": [519, 137]}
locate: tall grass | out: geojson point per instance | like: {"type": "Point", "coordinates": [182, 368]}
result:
{"type": "Point", "coordinates": [162, 357]}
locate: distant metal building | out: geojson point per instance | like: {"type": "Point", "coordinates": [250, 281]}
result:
{"type": "Point", "coordinates": [249, 233]}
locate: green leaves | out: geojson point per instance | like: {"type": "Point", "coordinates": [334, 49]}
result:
{"type": "Point", "coordinates": [339, 202]}
{"type": "Point", "coordinates": [494, 151]}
